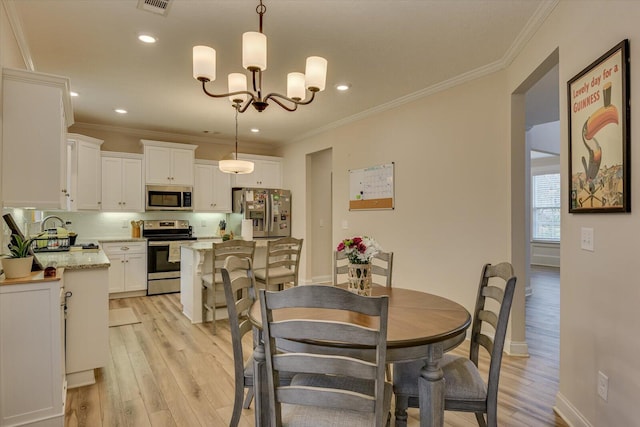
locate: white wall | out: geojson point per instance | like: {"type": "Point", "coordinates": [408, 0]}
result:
{"type": "Point", "coordinates": [599, 290]}
{"type": "Point", "coordinates": [451, 179]}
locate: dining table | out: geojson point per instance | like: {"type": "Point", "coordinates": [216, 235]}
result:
{"type": "Point", "coordinates": [420, 326]}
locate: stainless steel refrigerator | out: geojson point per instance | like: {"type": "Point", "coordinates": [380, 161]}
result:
{"type": "Point", "coordinates": [268, 209]}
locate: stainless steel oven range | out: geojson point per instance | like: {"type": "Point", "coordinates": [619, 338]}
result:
{"type": "Point", "coordinates": [163, 265]}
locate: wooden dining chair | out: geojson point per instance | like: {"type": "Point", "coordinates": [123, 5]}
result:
{"type": "Point", "coordinates": [212, 288]}
{"type": "Point", "coordinates": [381, 268]}
{"type": "Point", "coordinates": [239, 291]}
{"type": "Point", "coordinates": [282, 264]}
{"type": "Point", "coordinates": [465, 389]}
{"type": "Point", "coordinates": [330, 386]}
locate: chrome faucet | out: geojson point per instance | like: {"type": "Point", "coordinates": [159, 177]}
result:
{"type": "Point", "coordinates": [46, 218]}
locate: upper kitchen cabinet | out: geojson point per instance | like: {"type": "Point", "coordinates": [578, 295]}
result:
{"type": "Point", "coordinates": [83, 173]}
{"type": "Point", "coordinates": [267, 172]}
{"type": "Point", "coordinates": [122, 187]}
{"type": "Point", "coordinates": [168, 162]}
{"type": "Point", "coordinates": [36, 114]}
{"type": "Point", "coordinates": [212, 189]}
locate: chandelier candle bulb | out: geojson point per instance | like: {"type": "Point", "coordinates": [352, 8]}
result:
{"type": "Point", "coordinates": [237, 83]}
{"type": "Point", "coordinates": [254, 51]}
{"type": "Point", "coordinates": [316, 73]}
{"type": "Point", "coordinates": [295, 86]}
{"type": "Point", "coordinates": [204, 63]}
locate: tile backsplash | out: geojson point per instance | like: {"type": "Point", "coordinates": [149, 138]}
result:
{"type": "Point", "coordinates": [92, 226]}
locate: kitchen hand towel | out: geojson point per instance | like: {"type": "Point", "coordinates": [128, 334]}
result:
{"type": "Point", "coordinates": [247, 229]}
{"type": "Point", "coordinates": [174, 252]}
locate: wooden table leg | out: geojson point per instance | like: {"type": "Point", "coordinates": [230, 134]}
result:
{"type": "Point", "coordinates": [431, 387]}
{"type": "Point", "coordinates": [261, 393]}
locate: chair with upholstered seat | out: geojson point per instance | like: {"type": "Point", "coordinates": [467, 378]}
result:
{"type": "Point", "coordinates": [212, 288]}
{"type": "Point", "coordinates": [282, 264]}
{"type": "Point", "coordinates": [381, 268]}
{"type": "Point", "coordinates": [465, 388]}
{"type": "Point", "coordinates": [331, 385]}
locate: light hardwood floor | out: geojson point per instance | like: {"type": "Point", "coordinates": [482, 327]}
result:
{"type": "Point", "coordinates": [166, 372]}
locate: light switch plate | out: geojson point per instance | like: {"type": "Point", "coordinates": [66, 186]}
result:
{"type": "Point", "coordinates": [586, 239]}
{"type": "Point", "coordinates": [345, 224]}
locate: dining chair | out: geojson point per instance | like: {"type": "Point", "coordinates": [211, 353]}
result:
{"type": "Point", "coordinates": [282, 264]}
{"type": "Point", "coordinates": [212, 283]}
{"type": "Point", "coordinates": [330, 386]}
{"type": "Point", "coordinates": [381, 268]}
{"type": "Point", "coordinates": [239, 291]}
{"type": "Point", "coordinates": [465, 388]}
{"type": "Point", "coordinates": [240, 294]}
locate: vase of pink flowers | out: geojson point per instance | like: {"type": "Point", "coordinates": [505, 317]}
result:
{"type": "Point", "coordinates": [359, 251]}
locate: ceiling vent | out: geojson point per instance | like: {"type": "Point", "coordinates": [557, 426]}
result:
{"type": "Point", "coordinates": [160, 7]}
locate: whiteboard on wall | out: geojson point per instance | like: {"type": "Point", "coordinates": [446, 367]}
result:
{"type": "Point", "coordinates": [372, 187]}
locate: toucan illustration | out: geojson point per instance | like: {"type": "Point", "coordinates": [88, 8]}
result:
{"type": "Point", "coordinates": [594, 123]}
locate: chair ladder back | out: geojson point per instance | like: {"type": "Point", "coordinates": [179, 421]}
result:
{"type": "Point", "coordinates": [385, 270]}
{"type": "Point", "coordinates": [340, 266]}
{"type": "Point", "coordinates": [327, 365]}
{"type": "Point", "coordinates": [284, 252]}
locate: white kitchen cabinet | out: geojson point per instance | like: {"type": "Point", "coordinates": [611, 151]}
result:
{"type": "Point", "coordinates": [212, 188]}
{"type": "Point", "coordinates": [168, 163]}
{"type": "Point", "coordinates": [36, 114]}
{"type": "Point", "coordinates": [128, 271]}
{"type": "Point", "coordinates": [32, 376]}
{"type": "Point", "coordinates": [122, 188]}
{"type": "Point", "coordinates": [267, 173]}
{"type": "Point", "coordinates": [87, 323]}
{"type": "Point", "coordinates": [84, 176]}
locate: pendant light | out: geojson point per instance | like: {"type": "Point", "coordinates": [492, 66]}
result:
{"type": "Point", "coordinates": [236, 165]}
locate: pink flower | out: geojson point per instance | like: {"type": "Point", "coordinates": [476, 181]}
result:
{"type": "Point", "coordinates": [340, 247]}
{"type": "Point", "coordinates": [357, 241]}
{"type": "Point", "coordinates": [361, 247]}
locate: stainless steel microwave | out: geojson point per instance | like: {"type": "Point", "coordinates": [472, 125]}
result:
{"type": "Point", "coordinates": [169, 198]}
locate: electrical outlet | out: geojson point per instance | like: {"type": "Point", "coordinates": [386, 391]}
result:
{"type": "Point", "coordinates": [586, 239]}
{"type": "Point", "coordinates": [345, 224]}
{"type": "Point", "coordinates": [125, 223]}
{"type": "Point", "coordinates": [203, 224]}
{"type": "Point", "coordinates": [603, 385]}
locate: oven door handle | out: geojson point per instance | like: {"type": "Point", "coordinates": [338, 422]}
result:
{"type": "Point", "coordinates": [158, 243]}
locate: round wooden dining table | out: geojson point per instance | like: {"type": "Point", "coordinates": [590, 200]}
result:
{"type": "Point", "coordinates": [420, 326]}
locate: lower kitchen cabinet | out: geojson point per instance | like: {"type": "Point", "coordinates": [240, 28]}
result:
{"type": "Point", "coordinates": [128, 271]}
{"type": "Point", "coordinates": [87, 324]}
{"type": "Point", "coordinates": [32, 353]}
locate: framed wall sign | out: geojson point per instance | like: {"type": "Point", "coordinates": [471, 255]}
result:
{"type": "Point", "coordinates": [599, 137]}
{"type": "Point", "coordinates": [372, 187]}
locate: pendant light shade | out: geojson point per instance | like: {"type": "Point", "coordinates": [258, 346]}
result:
{"type": "Point", "coordinates": [235, 166]}
{"type": "Point", "coordinates": [316, 73]}
{"type": "Point", "coordinates": [295, 86]}
{"type": "Point", "coordinates": [237, 83]}
{"type": "Point", "coordinates": [254, 51]}
{"type": "Point", "coordinates": [204, 63]}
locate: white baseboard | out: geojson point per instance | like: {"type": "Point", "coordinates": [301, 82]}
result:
{"type": "Point", "coordinates": [516, 348]}
{"type": "Point", "coordinates": [569, 413]}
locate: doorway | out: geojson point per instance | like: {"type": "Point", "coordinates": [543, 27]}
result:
{"type": "Point", "coordinates": [319, 216]}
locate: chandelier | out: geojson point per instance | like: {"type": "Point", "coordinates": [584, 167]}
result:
{"type": "Point", "coordinates": [254, 59]}
{"type": "Point", "coordinates": [236, 165]}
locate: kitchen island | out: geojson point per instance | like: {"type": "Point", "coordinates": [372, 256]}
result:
{"type": "Point", "coordinates": [196, 260]}
{"type": "Point", "coordinates": [86, 276]}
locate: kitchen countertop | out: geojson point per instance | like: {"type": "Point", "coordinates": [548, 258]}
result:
{"type": "Point", "coordinates": [33, 277]}
{"type": "Point", "coordinates": [80, 260]}
{"type": "Point", "coordinates": [121, 239]}
{"type": "Point", "coordinates": [204, 246]}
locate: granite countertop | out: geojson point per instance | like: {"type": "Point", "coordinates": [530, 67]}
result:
{"type": "Point", "coordinates": [33, 277]}
{"type": "Point", "coordinates": [121, 239]}
{"type": "Point", "coordinates": [77, 260]}
{"type": "Point", "coordinates": [198, 245]}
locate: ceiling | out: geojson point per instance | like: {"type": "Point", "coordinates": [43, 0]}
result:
{"type": "Point", "coordinates": [389, 51]}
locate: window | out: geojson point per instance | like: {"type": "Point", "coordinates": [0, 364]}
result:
{"type": "Point", "coordinates": [545, 218]}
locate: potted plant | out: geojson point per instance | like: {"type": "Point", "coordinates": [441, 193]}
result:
{"type": "Point", "coordinates": [359, 251]}
{"type": "Point", "coordinates": [17, 263]}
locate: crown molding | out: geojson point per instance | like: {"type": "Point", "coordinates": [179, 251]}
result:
{"type": "Point", "coordinates": [162, 136]}
{"type": "Point", "coordinates": [535, 22]}
{"type": "Point", "coordinates": [18, 33]}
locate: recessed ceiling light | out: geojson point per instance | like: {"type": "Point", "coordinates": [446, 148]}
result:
{"type": "Point", "coordinates": [343, 86]}
{"type": "Point", "coordinates": [72, 93]}
{"type": "Point", "coordinates": [120, 111]}
{"type": "Point", "coordinates": [146, 38]}
{"type": "Point", "coordinates": [255, 130]}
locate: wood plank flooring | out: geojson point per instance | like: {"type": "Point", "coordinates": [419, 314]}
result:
{"type": "Point", "coordinates": [165, 371]}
